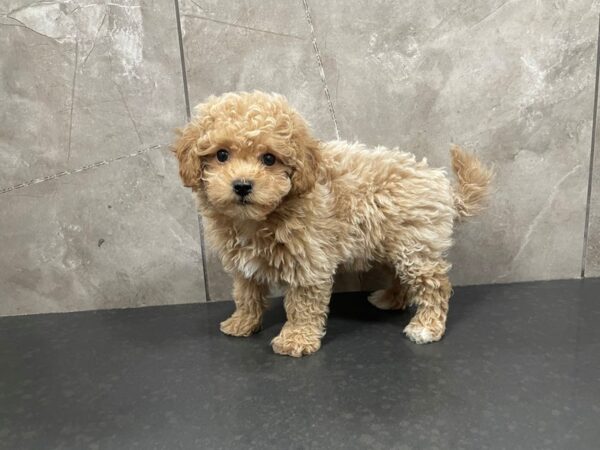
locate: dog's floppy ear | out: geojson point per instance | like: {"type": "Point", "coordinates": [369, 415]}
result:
{"type": "Point", "coordinates": [308, 158]}
{"type": "Point", "coordinates": [190, 165]}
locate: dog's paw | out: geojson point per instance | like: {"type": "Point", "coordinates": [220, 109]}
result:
{"type": "Point", "coordinates": [296, 341]}
{"type": "Point", "coordinates": [240, 325]}
{"type": "Point", "coordinates": [388, 299]}
{"type": "Point", "coordinates": [420, 334]}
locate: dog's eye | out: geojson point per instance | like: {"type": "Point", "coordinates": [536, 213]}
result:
{"type": "Point", "coordinates": [268, 159]}
{"type": "Point", "coordinates": [222, 155]}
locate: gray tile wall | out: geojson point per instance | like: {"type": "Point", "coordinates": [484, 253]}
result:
{"type": "Point", "coordinates": [592, 254]}
{"type": "Point", "coordinates": [90, 93]}
{"type": "Point", "coordinates": [513, 81]}
{"type": "Point", "coordinates": [91, 83]}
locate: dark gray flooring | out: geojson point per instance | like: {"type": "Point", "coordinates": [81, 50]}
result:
{"type": "Point", "coordinates": [519, 368]}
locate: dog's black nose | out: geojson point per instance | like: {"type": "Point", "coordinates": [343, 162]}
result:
{"type": "Point", "coordinates": [242, 187]}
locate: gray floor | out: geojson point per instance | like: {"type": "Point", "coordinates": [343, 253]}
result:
{"type": "Point", "coordinates": [519, 368]}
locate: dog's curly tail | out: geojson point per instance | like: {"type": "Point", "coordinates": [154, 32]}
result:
{"type": "Point", "coordinates": [473, 184]}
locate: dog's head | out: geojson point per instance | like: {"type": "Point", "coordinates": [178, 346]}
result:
{"type": "Point", "coordinates": [247, 153]}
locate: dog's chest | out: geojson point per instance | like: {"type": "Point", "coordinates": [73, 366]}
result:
{"type": "Point", "coordinates": [265, 259]}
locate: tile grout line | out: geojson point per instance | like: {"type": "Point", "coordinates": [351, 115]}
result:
{"type": "Point", "coordinates": [79, 170]}
{"type": "Point", "coordinates": [320, 64]}
{"type": "Point", "coordinates": [182, 59]}
{"type": "Point", "coordinates": [188, 113]}
{"type": "Point", "coordinates": [592, 152]}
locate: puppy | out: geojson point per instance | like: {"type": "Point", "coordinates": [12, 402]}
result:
{"type": "Point", "coordinates": [281, 207]}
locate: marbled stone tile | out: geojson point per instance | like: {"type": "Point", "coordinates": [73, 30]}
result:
{"type": "Point", "coordinates": [513, 81]}
{"type": "Point", "coordinates": [84, 80]}
{"type": "Point", "coordinates": [243, 46]}
{"type": "Point", "coordinates": [120, 235]}
{"type": "Point", "coordinates": [592, 259]}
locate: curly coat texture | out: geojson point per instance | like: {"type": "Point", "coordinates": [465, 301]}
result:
{"type": "Point", "coordinates": [321, 205]}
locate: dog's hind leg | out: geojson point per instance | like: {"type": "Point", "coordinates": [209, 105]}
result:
{"type": "Point", "coordinates": [394, 297]}
{"type": "Point", "coordinates": [430, 290]}
{"type": "Point", "coordinates": [250, 303]}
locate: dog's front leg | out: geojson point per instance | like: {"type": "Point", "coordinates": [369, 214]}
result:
{"type": "Point", "coordinates": [250, 303]}
{"type": "Point", "coordinates": [306, 308]}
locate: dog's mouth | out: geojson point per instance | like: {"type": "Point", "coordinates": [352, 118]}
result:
{"type": "Point", "coordinates": [244, 209]}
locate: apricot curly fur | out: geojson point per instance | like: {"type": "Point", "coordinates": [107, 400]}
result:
{"type": "Point", "coordinates": [320, 206]}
